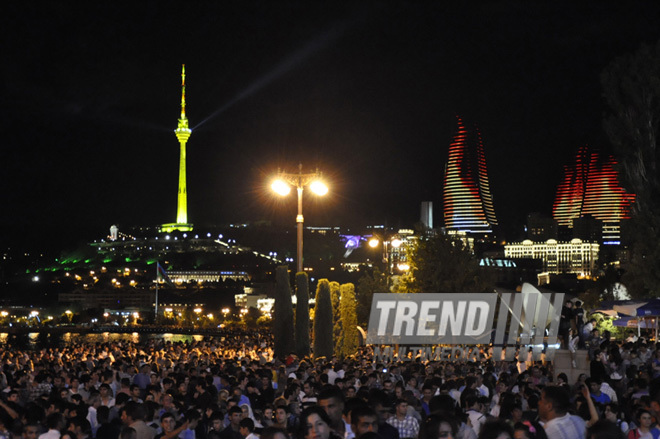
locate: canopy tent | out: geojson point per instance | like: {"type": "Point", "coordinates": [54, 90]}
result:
{"type": "Point", "coordinates": [629, 308]}
{"type": "Point", "coordinates": [640, 314]}
{"type": "Point", "coordinates": [633, 322]}
{"type": "Point", "coordinates": [650, 309]}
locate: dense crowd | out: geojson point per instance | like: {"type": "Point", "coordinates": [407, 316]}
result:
{"type": "Point", "coordinates": [233, 388]}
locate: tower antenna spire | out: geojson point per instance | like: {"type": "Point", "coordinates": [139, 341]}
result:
{"type": "Point", "coordinates": [183, 91]}
{"type": "Point", "coordinates": [182, 133]}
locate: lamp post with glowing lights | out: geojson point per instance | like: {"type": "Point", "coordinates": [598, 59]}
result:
{"type": "Point", "coordinates": [393, 242]}
{"type": "Point", "coordinates": [282, 186]}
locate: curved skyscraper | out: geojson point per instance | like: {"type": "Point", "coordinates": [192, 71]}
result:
{"type": "Point", "coordinates": [591, 187]}
{"type": "Point", "coordinates": [467, 201]}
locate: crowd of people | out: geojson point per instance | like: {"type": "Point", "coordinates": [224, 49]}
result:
{"type": "Point", "coordinates": [233, 388]}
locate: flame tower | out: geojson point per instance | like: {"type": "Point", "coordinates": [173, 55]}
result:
{"type": "Point", "coordinates": [467, 201]}
{"type": "Point", "coordinates": [591, 187]}
{"type": "Point", "coordinates": [182, 134]}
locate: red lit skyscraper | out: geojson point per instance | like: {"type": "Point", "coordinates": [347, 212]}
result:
{"type": "Point", "coordinates": [467, 201]}
{"type": "Point", "coordinates": [591, 187]}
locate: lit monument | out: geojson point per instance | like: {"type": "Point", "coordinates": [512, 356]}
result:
{"type": "Point", "coordinates": [182, 133]}
{"type": "Point", "coordinates": [467, 201]}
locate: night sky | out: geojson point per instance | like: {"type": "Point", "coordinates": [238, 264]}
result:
{"type": "Point", "coordinates": [367, 91]}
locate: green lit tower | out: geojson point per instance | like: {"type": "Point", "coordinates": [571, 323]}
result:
{"type": "Point", "coordinates": [182, 133]}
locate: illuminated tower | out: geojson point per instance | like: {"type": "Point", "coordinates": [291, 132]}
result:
{"type": "Point", "coordinates": [570, 193]}
{"type": "Point", "coordinates": [182, 134]}
{"type": "Point", "coordinates": [591, 187]}
{"type": "Point", "coordinates": [467, 201]}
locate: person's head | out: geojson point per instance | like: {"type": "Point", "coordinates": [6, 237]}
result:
{"type": "Point", "coordinates": [274, 433]}
{"type": "Point", "coordinates": [55, 421]}
{"type": "Point", "coordinates": [496, 429]}
{"type": "Point", "coordinates": [363, 420]}
{"type": "Point", "coordinates": [135, 390]}
{"type": "Point", "coordinates": [593, 385]}
{"type": "Point", "coordinates": [128, 433]}
{"type": "Point", "coordinates": [268, 412]}
{"type": "Point", "coordinates": [401, 407]}
{"type": "Point", "coordinates": [167, 422]}
{"type": "Point", "coordinates": [235, 415]}
{"type": "Point", "coordinates": [604, 429]}
{"type": "Point", "coordinates": [331, 400]}
{"type": "Point", "coordinates": [314, 424]}
{"type": "Point", "coordinates": [644, 418]}
{"type": "Point", "coordinates": [105, 390]}
{"type": "Point", "coordinates": [217, 423]}
{"type": "Point", "coordinates": [555, 402]}
{"type": "Point", "coordinates": [281, 415]}
{"type": "Point", "coordinates": [132, 412]}
{"type": "Point", "coordinates": [245, 427]}
{"type": "Point", "coordinates": [308, 388]}
{"type": "Point", "coordinates": [438, 427]}
{"type": "Point", "coordinates": [427, 392]}
{"type": "Point", "coordinates": [30, 431]}
{"type": "Point", "coordinates": [611, 412]}
{"type": "Point", "coordinates": [528, 430]}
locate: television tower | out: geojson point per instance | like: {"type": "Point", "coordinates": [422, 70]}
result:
{"type": "Point", "coordinates": [182, 134]}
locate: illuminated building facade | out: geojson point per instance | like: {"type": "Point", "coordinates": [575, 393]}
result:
{"type": "Point", "coordinates": [179, 277]}
{"type": "Point", "coordinates": [182, 134]}
{"type": "Point", "coordinates": [467, 201]}
{"type": "Point", "coordinates": [426, 214]}
{"type": "Point", "coordinates": [574, 257]}
{"type": "Point", "coordinates": [590, 187]}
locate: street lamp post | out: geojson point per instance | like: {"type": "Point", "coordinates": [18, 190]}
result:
{"type": "Point", "coordinates": [388, 243]}
{"type": "Point", "coordinates": [282, 186]}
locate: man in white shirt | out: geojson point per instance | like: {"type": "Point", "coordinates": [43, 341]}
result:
{"type": "Point", "coordinates": [474, 411]}
{"type": "Point", "coordinates": [55, 423]}
{"type": "Point", "coordinates": [557, 422]}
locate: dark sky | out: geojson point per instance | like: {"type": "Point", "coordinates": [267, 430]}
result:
{"type": "Point", "coordinates": [366, 91]}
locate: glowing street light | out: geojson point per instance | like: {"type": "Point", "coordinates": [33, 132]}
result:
{"type": "Point", "coordinates": [390, 242]}
{"type": "Point", "coordinates": [282, 186]}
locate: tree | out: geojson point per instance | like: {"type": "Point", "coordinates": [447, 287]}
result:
{"type": "Point", "coordinates": [283, 314]}
{"type": "Point", "coordinates": [443, 264]}
{"type": "Point", "coordinates": [368, 285]}
{"type": "Point", "coordinates": [323, 325]}
{"type": "Point", "coordinates": [336, 323]}
{"type": "Point", "coordinates": [631, 88]}
{"type": "Point", "coordinates": [302, 314]}
{"type": "Point", "coordinates": [349, 338]}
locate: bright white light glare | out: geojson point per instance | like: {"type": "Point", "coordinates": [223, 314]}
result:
{"type": "Point", "coordinates": [403, 267]}
{"type": "Point", "coordinates": [373, 243]}
{"type": "Point", "coordinates": [280, 187]}
{"type": "Point", "coordinates": [396, 243]}
{"type": "Point", "coordinates": [318, 187]}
